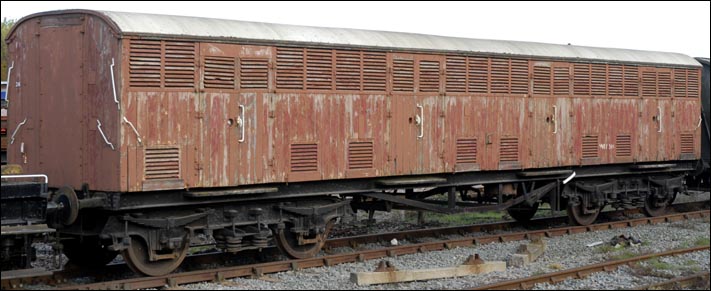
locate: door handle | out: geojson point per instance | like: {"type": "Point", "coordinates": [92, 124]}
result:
{"type": "Point", "coordinates": [659, 118]}
{"type": "Point", "coordinates": [554, 119]}
{"type": "Point", "coordinates": [240, 122]}
{"type": "Point", "coordinates": [420, 120]}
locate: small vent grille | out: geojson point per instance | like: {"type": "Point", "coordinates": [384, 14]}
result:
{"type": "Point", "coordinates": [590, 147]}
{"type": "Point", "coordinates": [500, 82]}
{"type": "Point", "coordinates": [478, 75]}
{"type": "Point", "coordinates": [219, 73]}
{"type": "Point", "coordinates": [360, 155]}
{"type": "Point", "coordinates": [623, 146]}
{"type": "Point", "coordinates": [290, 68]}
{"type": "Point", "coordinates": [162, 163]}
{"type": "Point", "coordinates": [374, 71]}
{"type": "Point", "coordinates": [456, 74]}
{"type": "Point", "coordinates": [403, 75]}
{"type": "Point", "coordinates": [581, 79]}
{"type": "Point", "coordinates": [519, 77]}
{"type": "Point", "coordinates": [254, 73]}
{"type": "Point", "coordinates": [508, 151]}
{"type": "Point", "coordinates": [649, 84]}
{"type": "Point", "coordinates": [679, 82]}
{"type": "Point", "coordinates": [614, 84]}
{"type": "Point", "coordinates": [598, 79]}
{"type": "Point", "coordinates": [541, 80]}
{"type": "Point", "coordinates": [561, 81]}
{"type": "Point", "coordinates": [429, 76]}
{"type": "Point", "coordinates": [180, 64]}
{"type": "Point", "coordinates": [692, 83]}
{"type": "Point", "coordinates": [145, 63]}
{"type": "Point", "coordinates": [664, 84]}
{"type": "Point", "coordinates": [319, 69]}
{"type": "Point", "coordinates": [348, 70]}
{"type": "Point", "coordinates": [687, 143]}
{"type": "Point", "coordinates": [631, 81]}
{"type": "Point", "coordinates": [304, 157]}
{"type": "Point", "coordinates": [466, 150]}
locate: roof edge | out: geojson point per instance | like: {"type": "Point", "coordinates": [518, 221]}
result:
{"type": "Point", "coordinates": [114, 27]}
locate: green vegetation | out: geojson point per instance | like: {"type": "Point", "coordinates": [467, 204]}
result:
{"type": "Point", "coordinates": [6, 26]}
{"type": "Point", "coordinates": [624, 255]}
{"type": "Point", "coordinates": [702, 241]}
{"type": "Point", "coordinates": [457, 219]}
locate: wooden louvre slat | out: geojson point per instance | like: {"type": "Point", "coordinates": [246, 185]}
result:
{"type": "Point", "coordinates": [403, 75]}
{"type": "Point", "coordinates": [456, 74]}
{"type": "Point", "coordinates": [219, 72]}
{"type": "Point", "coordinates": [348, 70]}
{"type": "Point", "coordinates": [590, 146]}
{"type": "Point", "coordinates": [290, 68]}
{"type": "Point", "coordinates": [692, 83]}
{"type": "Point", "coordinates": [429, 76]}
{"type": "Point", "coordinates": [679, 82]}
{"type": "Point", "coordinates": [687, 143]}
{"type": "Point", "coordinates": [179, 64]}
{"type": "Point", "coordinates": [319, 69]}
{"type": "Point", "coordinates": [304, 157]}
{"type": "Point", "coordinates": [581, 79]}
{"type": "Point", "coordinates": [478, 69]}
{"type": "Point", "coordinates": [598, 79]}
{"type": "Point", "coordinates": [519, 77]}
{"type": "Point", "coordinates": [561, 81]}
{"type": "Point", "coordinates": [254, 73]}
{"type": "Point", "coordinates": [631, 80]}
{"type": "Point", "coordinates": [664, 84]}
{"type": "Point", "coordinates": [145, 63]}
{"type": "Point", "coordinates": [508, 149]}
{"type": "Point", "coordinates": [649, 84]}
{"type": "Point", "coordinates": [542, 80]}
{"type": "Point", "coordinates": [466, 150]}
{"type": "Point", "coordinates": [623, 145]}
{"type": "Point", "coordinates": [500, 76]}
{"type": "Point", "coordinates": [374, 71]}
{"type": "Point", "coordinates": [614, 83]}
{"type": "Point", "coordinates": [360, 155]}
{"type": "Point", "coordinates": [161, 163]}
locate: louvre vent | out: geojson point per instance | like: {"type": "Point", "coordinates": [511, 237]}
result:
{"type": "Point", "coordinates": [679, 82]}
{"type": "Point", "coordinates": [254, 73]}
{"type": "Point", "coordinates": [508, 151]}
{"type": "Point", "coordinates": [664, 85]}
{"type": "Point", "coordinates": [348, 70]}
{"type": "Point", "coordinates": [290, 68]}
{"type": "Point", "coordinates": [614, 83]}
{"type": "Point", "coordinates": [180, 64]}
{"type": "Point", "coordinates": [429, 76]}
{"type": "Point", "coordinates": [500, 82]}
{"type": "Point", "coordinates": [687, 143]}
{"type": "Point", "coordinates": [590, 147]}
{"type": "Point", "coordinates": [456, 77]}
{"type": "Point", "coordinates": [692, 83]}
{"type": "Point", "coordinates": [478, 75]}
{"type": "Point", "coordinates": [598, 79]}
{"type": "Point", "coordinates": [542, 80]}
{"type": "Point", "coordinates": [403, 75]}
{"type": "Point", "coordinates": [374, 71]}
{"type": "Point", "coordinates": [561, 81]}
{"type": "Point", "coordinates": [649, 84]}
{"type": "Point", "coordinates": [219, 73]}
{"type": "Point", "coordinates": [519, 77]}
{"type": "Point", "coordinates": [360, 155]}
{"type": "Point", "coordinates": [466, 150]}
{"type": "Point", "coordinates": [319, 69]}
{"type": "Point", "coordinates": [162, 163]}
{"type": "Point", "coordinates": [631, 81]}
{"type": "Point", "coordinates": [581, 79]}
{"type": "Point", "coordinates": [304, 157]}
{"type": "Point", "coordinates": [623, 145]}
{"type": "Point", "coordinates": [145, 63]}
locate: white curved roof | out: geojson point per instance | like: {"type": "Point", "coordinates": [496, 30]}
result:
{"type": "Point", "coordinates": [192, 27]}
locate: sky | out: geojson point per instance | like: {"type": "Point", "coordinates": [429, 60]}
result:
{"type": "Point", "coordinates": [681, 27]}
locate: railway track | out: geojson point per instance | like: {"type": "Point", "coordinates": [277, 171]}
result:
{"type": "Point", "coordinates": [698, 279]}
{"type": "Point", "coordinates": [582, 272]}
{"type": "Point", "coordinates": [257, 270]}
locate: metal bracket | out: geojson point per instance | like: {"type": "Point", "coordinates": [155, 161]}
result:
{"type": "Point", "coordinates": [138, 136]}
{"type": "Point", "coordinates": [659, 118]}
{"type": "Point", "coordinates": [113, 85]}
{"type": "Point", "coordinates": [241, 123]}
{"type": "Point", "coordinates": [103, 135]}
{"type": "Point", "coordinates": [12, 138]}
{"type": "Point", "coordinates": [9, 70]}
{"type": "Point", "coordinates": [420, 120]}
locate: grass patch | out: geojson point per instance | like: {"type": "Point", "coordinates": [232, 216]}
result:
{"type": "Point", "coordinates": [624, 255]}
{"type": "Point", "coordinates": [702, 241]}
{"type": "Point", "coordinates": [604, 249]}
{"type": "Point", "coordinates": [457, 219]}
{"type": "Point", "coordinates": [659, 265]}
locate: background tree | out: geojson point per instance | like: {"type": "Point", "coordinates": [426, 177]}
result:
{"type": "Point", "coordinates": [6, 25]}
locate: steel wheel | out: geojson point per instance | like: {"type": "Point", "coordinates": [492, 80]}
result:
{"type": "Point", "coordinates": [522, 212]}
{"type": "Point", "coordinates": [288, 242]}
{"type": "Point", "coordinates": [136, 257]}
{"type": "Point", "coordinates": [88, 252]}
{"type": "Point", "coordinates": [650, 206]}
{"type": "Point", "coordinates": [578, 217]}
